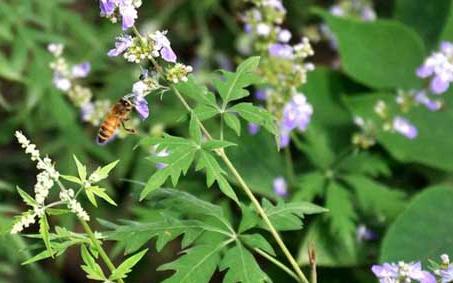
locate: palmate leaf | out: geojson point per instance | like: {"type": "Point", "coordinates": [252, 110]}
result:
{"type": "Point", "coordinates": [92, 269]}
{"type": "Point", "coordinates": [198, 264]}
{"type": "Point", "coordinates": [342, 215]}
{"type": "Point", "coordinates": [126, 266]}
{"type": "Point", "coordinates": [181, 155]}
{"type": "Point", "coordinates": [215, 173]}
{"type": "Point", "coordinates": [242, 267]}
{"type": "Point", "coordinates": [365, 163]}
{"type": "Point", "coordinates": [310, 186]}
{"type": "Point", "coordinates": [287, 216]}
{"type": "Point", "coordinates": [256, 115]}
{"type": "Point", "coordinates": [134, 235]}
{"type": "Point", "coordinates": [197, 92]}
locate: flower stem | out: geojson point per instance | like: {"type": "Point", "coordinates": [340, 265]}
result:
{"type": "Point", "coordinates": [290, 166]}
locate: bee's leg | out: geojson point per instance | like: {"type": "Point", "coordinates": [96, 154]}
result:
{"type": "Point", "coordinates": [132, 131]}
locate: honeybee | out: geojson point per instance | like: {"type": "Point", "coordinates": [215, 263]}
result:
{"type": "Point", "coordinates": [115, 118]}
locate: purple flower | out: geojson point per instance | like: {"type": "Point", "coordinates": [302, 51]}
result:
{"type": "Point", "coordinates": [122, 43]}
{"type": "Point", "coordinates": [86, 111]}
{"type": "Point", "coordinates": [253, 128]}
{"type": "Point", "coordinates": [284, 51]}
{"type": "Point", "coordinates": [280, 186]}
{"type": "Point", "coordinates": [248, 28]}
{"type": "Point", "coordinates": [81, 70]}
{"type": "Point", "coordinates": [107, 7]}
{"type": "Point", "coordinates": [438, 66]}
{"type": "Point", "coordinates": [128, 14]}
{"type": "Point", "coordinates": [430, 104]}
{"type": "Point", "coordinates": [162, 44]}
{"type": "Point", "coordinates": [276, 4]}
{"type": "Point", "coordinates": [402, 272]}
{"type": "Point", "coordinates": [404, 127]}
{"type": "Point", "coordinates": [141, 105]}
{"type": "Point", "coordinates": [296, 115]}
{"type": "Point", "coordinates": [261, 94]}
{"type": "Point", "coordinates": [363, 233]}
{"type": "Point", "coordinates": [447, 274]}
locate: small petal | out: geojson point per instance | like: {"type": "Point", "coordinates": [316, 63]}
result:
{"type": "Point", "coordinates": [438, 85]}
{"type": "Point", "coordinates": [128, 15]}
{"type": "Point", "coordinates": [168, 54]}
{"type": "Point", "coordinates": [281, 50]}
{"type": "Point", "coordinates": [122, 43]}
{"type": "Point", "coordinates": [141, 105]}
{"type": "Point", "coordinates": [253, 128]}
{"type": "Point", "coordinates": [404, 127]}
{"type": "Point", "coordinates": [280, 186]}
{"type": "Point", "coordinates": [424, 71]}
{"type": "Point", "coordinates": [107, 7]}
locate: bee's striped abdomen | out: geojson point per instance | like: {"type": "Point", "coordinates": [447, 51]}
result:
{"type": "Point", "coordinates": [107, 129]}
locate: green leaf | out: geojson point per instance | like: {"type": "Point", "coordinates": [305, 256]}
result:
{"type": "Point", "coordinates": [194, 129]}
{"type": "Point", "coordinates": [257, 115]}
{"type": "Point", "coordinates": [198, 264]}
{"type": "Point", "coordinates": [379, 54]}
{"type": "Point", "coordinates": [232, 88]}
{"type": "Point", "coordinates": [196, 91]}
{"type": "Point", "coordinates": [26, 197]}
{"type": "Point", "coordinates": [81, 169]}
{"type": "Point", "coordinates": [92, 269]}
{"type": "Point", "coordinates": [310, 186]}
{"type": "Point", "coordinates": [102, 173]}
{"type": "Point", "coordinates": [72, 179]}
{"type": "Point", "coordinates": [317, 147]}
{"type": "Point", "coordinates": [205, 112]}
{"type": "Point", "coordinates": [423, 230]}
{"type": "Point", "coordinates": [342, 215]}
{"type": "Point", "coordinates": [428, 22]}
{"type": "Point", "coordinates": [257, 241]}
{"type": "Point", "coordinates": [177, 162]}
{"type": "Point", "coordinates": [215, 173]}
{"type": "Point", "coordinates": [134, 235]}
{"type": "Point", "coordinates": [287, 216]}
{"type": "Point", "coordinates": [233, 122]}
{"type": "Point", "coordinates": [121, 271]}
{"type": "Point", "coordinates": [44, 231]}
{"type": "Point", "coordinates": [242, 267]}
{"type": "Point", "coordinates": [216, 144]}
{"type": "Point", "coordinates": [365, 163]}
{"type": "Point", "coordinates": [376, 198]}
{"type": "Point", "coordinates": [100, 192]}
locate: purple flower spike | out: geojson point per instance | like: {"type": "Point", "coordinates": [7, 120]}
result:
{"type": "Point", "coordinates": [141, 105]}
{"type": "Point", "coordinates": [253, 128]}
{"type": "Point", "coordinates": [107, 7]}
{"type": "Point", "coordinates": [122, 43]}
{"type": "Point", "coordinates": [280, 186]}
{"type": "Point", "coordinates": [168, 54]}
{"type": "Point", "coordinates": [404, 127]}
{"type": "Point", "coordinates": [81, 70]}
{"type": "Point", "coordinates": [128, 14]}
{"type": "Point", "coordinates": [438, 85]}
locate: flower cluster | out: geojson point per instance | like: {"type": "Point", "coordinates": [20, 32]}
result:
{"type": "Point", "coordinates": [65, 78]}
{"type": "Point", "coordinates": [439, 68]}
{"type": "Point", "coordinates": [283, 66]}
{"type": "Point", "coordinates": [402, 272]}
{"type": "Point", "coordinates": [124, 9]}
{"type": "Point", "coordinates": [68, 197]}
{"type": "Point", "coordinates": [406, 272]}
{"type": "Point", "coordinates": [45, 181]}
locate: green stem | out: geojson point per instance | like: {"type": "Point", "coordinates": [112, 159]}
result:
{"type": "Point", "coordinates": [240, 180]}
{"type": "Point", "coordinates": [276, 262]}
{"type": "Point", "coordinates": [93, 239]}
{"type": "Point", "coordinates": [290, 166]}
{"type": "Point", "coordinates": [99, 248]}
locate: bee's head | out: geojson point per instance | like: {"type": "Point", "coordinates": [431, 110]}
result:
{"type": "Point", "coordinates": [125, 102]}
